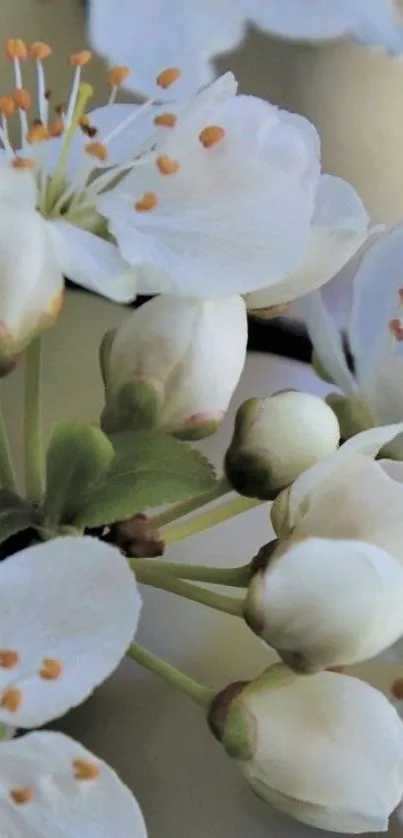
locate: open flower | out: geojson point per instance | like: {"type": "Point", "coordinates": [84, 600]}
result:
{"type": "Point", "coordinates": [69, 610]}
{"type": "Point", "coordinates": [194, 32]}
{"type": "Point", "coordinates": [174, 364]}
{"type": "Point", "coordinates": [232, 200]}
{"type": "Point", "coordinates": [344, 536]}
{"type": "Point", "coordinates": [327, 750]}
{"type": "Point", "coordinates": [375, 335]}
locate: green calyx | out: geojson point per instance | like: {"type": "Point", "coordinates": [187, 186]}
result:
{"type": "Point", "coordinates": [352, 413]}
{"type": "Point", "coordinates": [231, 723]}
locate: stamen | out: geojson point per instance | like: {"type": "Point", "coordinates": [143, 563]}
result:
{"type": "Point", "coordinates": [168, 120]}
{"type": "Point", "coordinates": [56, 184]}
{"type": "Point", "coordinates": [56, 127]}
{"type": "Point", "coordinates": [148, 202]}
{"type": "Point", "coordinates": [98, 150]}
{"type": "Point", "coordinates": [211, 135]}
{"type": "Point", "coordinates": [24, 163]}
{"type": "Point", "coordinates": [117, 75]}
{"type": "Point", "coordinates": [84, 769]}
{"type": "Point", "coordinates": [39, 50]}
{"type": "Point", "coordinates": [9, 658]}
{"type": "Point", "coordinates": [168, 77]}
{"type": "Point", "coordinates": [21, 796]}
{"type": "Point", "coordinates": [51, 669]}
{"type": "Point", "coordinates": [397, 689]}
{"type": "Point", "coordinates": [37, 133]}
{"type": "Point", "coordinates": [11, 699]}
{"type": "Point", "coordinates": [167, 165]}
{"type": "Point", "coordinates": [7, 106]}
{"type": "Point", "coordinates": [396, 329]}
{"type": "Point", "coordinates": [79, 59]}
{"type": "Point", "coordinates": [16, 48]}
{"type": "Point", "coordinates": [22, 99]}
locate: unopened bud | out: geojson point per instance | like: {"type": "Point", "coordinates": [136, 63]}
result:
{"type": "Point", "coordinates": [276, 439]}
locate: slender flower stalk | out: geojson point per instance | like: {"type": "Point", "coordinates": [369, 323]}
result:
{"type": "Point", "coordinates": [165, 582]}
{"type": "Point", "coordinates": [7, 473]}
{"type": "Point", "coordinates": [233, 577]}
{"type": "Point", "coordinates": [34, 461]}
{"type": "Point", "coordinates": [207, 520]}
{"type": "Point", "coordinates": [179, 510]}
{"type": "Point", "coordinates": [197, 692]}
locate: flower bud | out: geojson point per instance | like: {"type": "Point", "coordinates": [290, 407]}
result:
{"type": "Point", "coordinates": [325, 602]}
{"type": "Point", "coordinates": [327, 750]}
{"type": "Point", "coordinates": [31, 285]}
{"type": "Point", "coordinates": [276, 439]}
{"type": "Point", "coordinates": [174, 365]}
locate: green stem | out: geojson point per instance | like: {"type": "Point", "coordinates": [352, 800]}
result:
{"type": "Point", "coordinates": [220, 602]}
{"type": "Point", "coordinates": [7, 473]}
{"type": "Point", "coordinates": [173, 676]}
{"type": "Point", "coordinates": [236, 577]}
{"type": "Point", "coordinates": [34, 465]}
{"type": "Point", "coordinates": [187, 506]}
{"type": "Point", "coordinates": [199, 523]}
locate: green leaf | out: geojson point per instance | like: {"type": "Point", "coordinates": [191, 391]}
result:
{"type": "Point", "coordinates": [15, 514]}
{"type": "Point", "coordinates": [150, 468]}
{"type": "Point", "coordinates": [78, 458]}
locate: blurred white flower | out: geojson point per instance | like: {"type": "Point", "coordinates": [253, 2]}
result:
{"type": "Point", "coordinates": [69, 609]}
{"type": "Point", "coordinates": [141, 34]}
{"type": "Point", "coordinates": [375, 332]}
{"type": "Point", "coordinates": [232, 200]}
{"type": "Point", "coordinates": [327, 750]}
{"type": "Point", "coordinates": [174, 364]}
{"type": "Point", "coordinates": [344, 535]}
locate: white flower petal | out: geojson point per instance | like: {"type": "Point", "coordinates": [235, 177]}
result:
{"type": "Point", "coordinates": [304, 19]}
{"type": "Point", "coordinates": [16, 185]}
{"type": "Point", "coordinates": [329, 750]}
{"type": "Point", "coordinates": [327, 341]}
{"type": "Point", "coordinates": [45, 766]}
{"type": "Point", "coordinates": [92, 262]}
{"type": "Point", "coordinates": [234, 216]}
{"type": "Point", "coordinates": [380, 23]}
{"type": "Point", "coordinates": [366, 443]}
{"type": "Point", "coordinates": [152, 35]}
{"type": "Point", "coordinates": [73, 601]}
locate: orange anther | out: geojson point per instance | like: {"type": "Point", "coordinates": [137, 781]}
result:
{"type": "Point", "coordinates": [22, 98]}
{"type": "Point", "coordinates": [168, 77]}
{"type": "Point", "coordinates": [396, 329]}
{"type": "Point", "coordinates": [84, 769]}
{"type": "Point", "coordinates": [39, 50]}
{"type": "Point", "coordinates": [117, 75]}
{"type": "Point", "coordinates": [147, 202]}
{"type": "Point", "coordinates": [168, 120]}
{"type": "Point", "coordinates": [79, 59]}
{"type": "Point", "coordinates": [397, 688]}
{"type": "Point", "coordinates": [9, 658]}
{"type": "Point", "coordinates": [98, 150]}
{"type": "Point", "coordinates": [211, 135]}
{"type": "Point", "coordinates": [16, 48]}
{"type": "Point", "coordinates": [24, 163]}
{"type": "Point", "coordinates": [37, 132]}
{"type": "Point", "coordinates": [7, 106]}
{"type": "Point", "coordinates": [167, 165]}
{"type": "Point", "coordinates": [56, 128]}
{"type": "Point", "coordinates": [51, 669]}
{"type": "Point", "coordinates": [11, 699]}
{"type": "Point", "coordinates": [21, 796]}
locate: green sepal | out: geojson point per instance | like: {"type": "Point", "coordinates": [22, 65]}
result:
{"type": "Point", "coordinates": [78, 458]}
{"type": "Point", "coordinates": [352, 414]}
{"type": "Point", "coordinates": [136, 407]}
{"type": "Point", "coordinates": [16, 514]}
{"type": "Point", "coordinates": [150, 468]}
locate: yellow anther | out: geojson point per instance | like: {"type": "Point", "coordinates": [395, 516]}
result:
{"type": "Point", "coordinates": [147, 202]}
{"type": "Point", "coordinates": [9, 658]}
{"type": "Point", "coordinates": [36, 133]}
{"type": "Point", "coordinates": [167, 165]}
{"type": "Point", "coordinates": [98, 150]}
{"type": "Point", "coordinates": [168, 120]}
{"type": "Point", "coordinates": [51, 669]}
{"type": "Point", "coordinates": [79, 59]}
{"type": "Point", "coordinates": [21, 796]}
{"type": "Point", "coordinates": [22, 98]}
{"type": "Point", "coordinates": [56, 128]}
{"type": "Point", "coordinates": [11, 699]}
{"type": "Point", "coordinates": [24, 163]}
{"type": "Point", "coordinates": [211, 135]}
{"type": "Point", "coordinates": [7, 106]}
{"type": "Point", "coordinates": [16, 48]}
{"type": "Point", "coordinates": [84, 769]}
{"type": "Point", "coordinates": [39, 50]}
{"type": "Point", "coordinates": [168, 77]}
{"type": "Point", "coordinates": [117, 75]}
